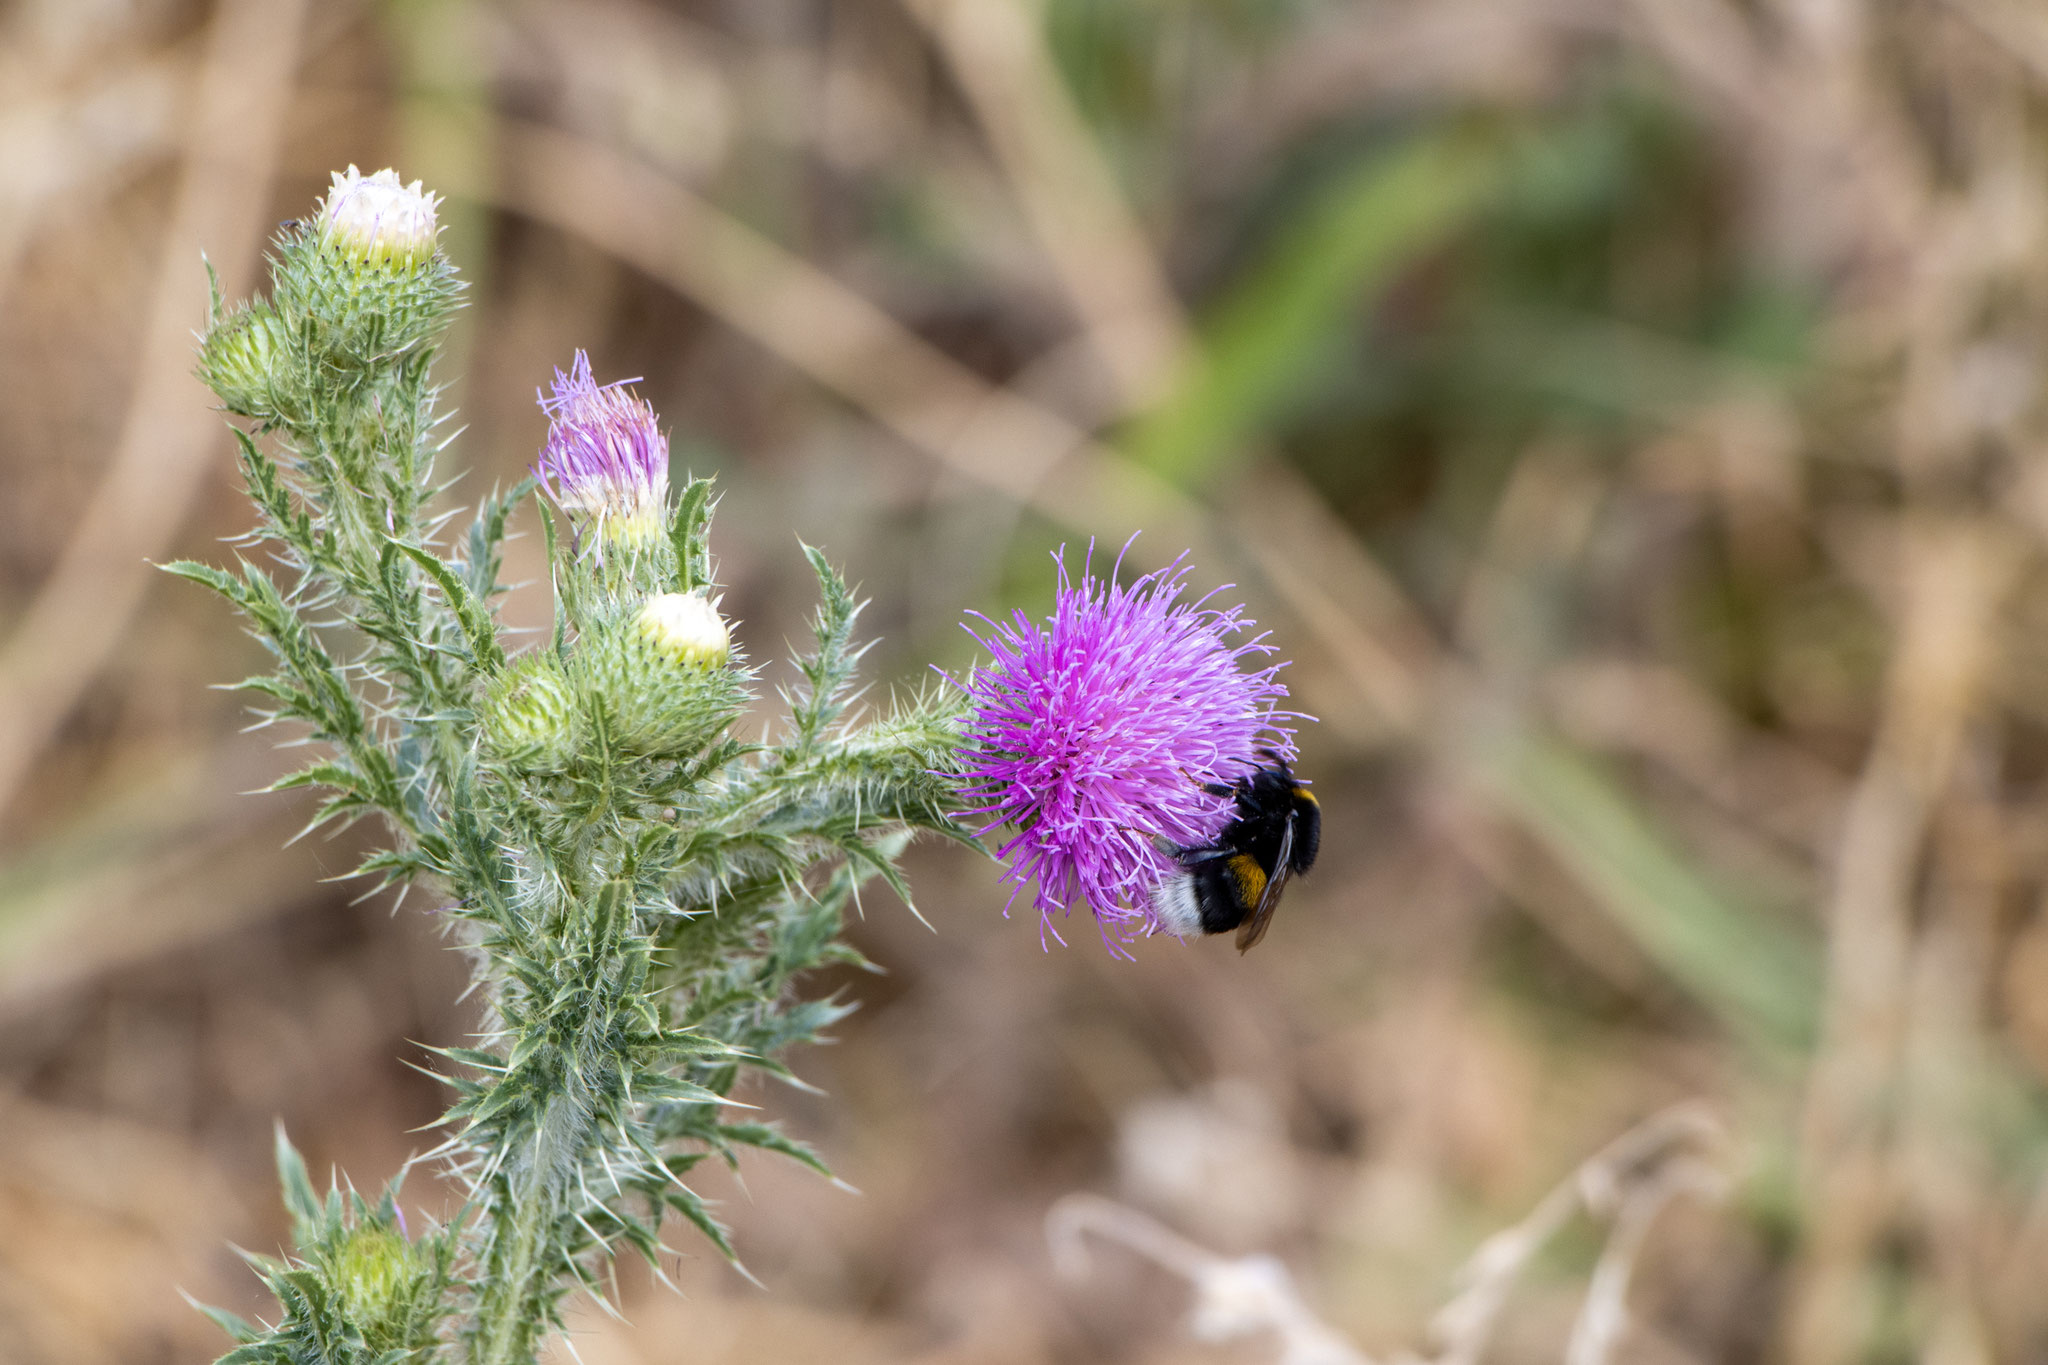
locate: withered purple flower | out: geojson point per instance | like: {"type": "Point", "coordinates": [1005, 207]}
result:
{"type": "Point", "coordinates": [1093, 734]}
{"type": "Point", "coordinates": [606, 460]}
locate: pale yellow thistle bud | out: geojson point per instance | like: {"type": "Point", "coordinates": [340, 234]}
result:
{"type": "Point", "coordinates": [376, 218]}
{"type": "Point", "coordinates": [686, 627]}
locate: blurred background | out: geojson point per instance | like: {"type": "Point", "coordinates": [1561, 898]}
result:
{"type": "Point", "coordinates": [1626, 415]}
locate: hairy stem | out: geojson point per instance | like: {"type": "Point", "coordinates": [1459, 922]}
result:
{"type": "Point", "coordinates": [522, 1236]}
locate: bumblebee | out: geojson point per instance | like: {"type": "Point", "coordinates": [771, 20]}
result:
{"type": "Point", "coordinates": [1235, 882]}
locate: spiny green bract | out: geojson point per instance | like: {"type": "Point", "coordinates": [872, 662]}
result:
{"type": "Point", "coordinates": [359, 315]}
{"type": "Point", "coordinates": [640, 891]}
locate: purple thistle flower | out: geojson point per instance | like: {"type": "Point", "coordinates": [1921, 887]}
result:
{"type": "Point", "coordinates": [1094, 734]}
{"type": "Point", "coordinates": [605, 460]}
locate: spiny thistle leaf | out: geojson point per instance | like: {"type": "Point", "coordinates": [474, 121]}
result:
{"type": "Point", "coordinates": [485, 653]}
{"type": "Point", "coordinates": [299, 1200]}
{"type": "Point", "coordinates": [689, 533]}
{"type": "Point", "coordinates": [828, 671]}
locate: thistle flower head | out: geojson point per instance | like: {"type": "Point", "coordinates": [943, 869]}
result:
{"type": "Point", "coordinates": [606, 461]}
{"type": "Point", "coordinates": [1093, 735]}
{"type": "Point", "coordinates": [379, 219]}
{"type": "Point", "coordinates": [686, 627]}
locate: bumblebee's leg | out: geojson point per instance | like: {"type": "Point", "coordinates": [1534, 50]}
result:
{"type": "Point", "coordinates": [1159, 841]}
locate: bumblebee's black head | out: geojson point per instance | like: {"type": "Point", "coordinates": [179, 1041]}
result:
{"type": "Point", "coordinates": [1265, 798]}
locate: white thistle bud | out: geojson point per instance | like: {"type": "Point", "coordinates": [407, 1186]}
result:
{"type": "Point", "coordinates": [686, 627]}
{"type": "Point", "coordinates": [376, 218]}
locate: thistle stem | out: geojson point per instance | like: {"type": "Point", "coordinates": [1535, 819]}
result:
{"type": "Point", "coordinates": [507, 1322]}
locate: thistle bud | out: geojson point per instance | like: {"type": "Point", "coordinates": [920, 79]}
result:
{"type": "Point", "coordinates": [361, 281]}
{"type": "Point", "coordinates": [247, 361]}
{"type": "Point", "coordinates": [605, 462]}
{"type": "Point", "coordinates": [375, 218]}
{"type": "Point", "coordinates": [660, 676]}
{"type": "Point", "coordinates": [387, 1290]}
{"type": "Point", "coordinates": [530, 718]}
{"type": "Point", "coordinates": [686, 627]}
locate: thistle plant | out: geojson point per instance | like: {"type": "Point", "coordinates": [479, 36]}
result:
{"type": "Point", "coordinates": [638, 888]}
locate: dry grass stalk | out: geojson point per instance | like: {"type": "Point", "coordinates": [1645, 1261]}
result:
{"type": "Point", "coordinates": [1672, 1154]}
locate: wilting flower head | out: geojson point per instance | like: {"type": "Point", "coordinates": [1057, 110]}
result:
{"type": "Point", "coordinates": [377, 218]}
{"type": "Point", "coordinates": [1093, 736]}
{"type": "Point", "coordinates": [605, 460]}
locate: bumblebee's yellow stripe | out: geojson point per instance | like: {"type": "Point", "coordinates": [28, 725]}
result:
{"type": "Point", "coordinates": [1305, 794]}
{"type": "Point", "coordinates": [1249, 876]}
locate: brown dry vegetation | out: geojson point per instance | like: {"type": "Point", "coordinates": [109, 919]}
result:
{"type": "Point", "coordinates": [1626, 413]}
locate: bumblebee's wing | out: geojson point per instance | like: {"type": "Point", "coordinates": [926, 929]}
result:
{"type": "Point", "coordinates": [1254, 928]}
